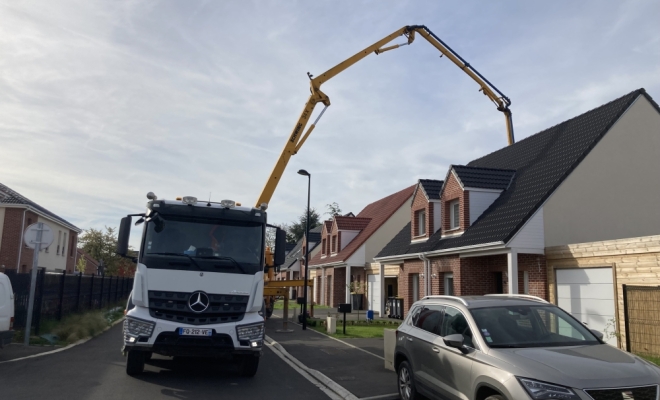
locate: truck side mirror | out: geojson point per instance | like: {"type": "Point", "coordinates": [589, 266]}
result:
{"type": "Point", "coordinates": [122, 237]}
{"type": "Point", "coordinates": [280, 247]}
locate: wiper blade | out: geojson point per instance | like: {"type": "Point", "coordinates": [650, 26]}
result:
{"type": "Point", "coordinates": [223, 258]}
{"type": "Point", "coordinates": [504, 346]}
{"type": "Point", "coordinates": [180, 255]}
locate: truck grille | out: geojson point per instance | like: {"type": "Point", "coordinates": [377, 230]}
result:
{"type": "Point", "coordinates": [173, 306]}
{"type": "Point", "coordinates": [636, 393]}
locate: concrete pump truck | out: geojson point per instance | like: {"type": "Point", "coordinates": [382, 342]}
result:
{"type": "Point", "coordinates": [204, 282]}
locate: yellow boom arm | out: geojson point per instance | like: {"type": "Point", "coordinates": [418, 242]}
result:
{"type": "Point", "coordinates": [296, 139]}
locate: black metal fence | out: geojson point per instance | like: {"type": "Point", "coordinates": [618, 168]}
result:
{"type": "Point", "coordinates": [59, 294]}
{"type": "Point", "coordinates": [641, 308]}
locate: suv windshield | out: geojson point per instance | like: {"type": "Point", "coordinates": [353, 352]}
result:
{"type": "Point", "coordinates": [530, 326]}
{"type": "Point", "coordinates": [208, 245]}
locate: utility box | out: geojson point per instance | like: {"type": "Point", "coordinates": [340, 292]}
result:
{"type": "Point", "coordinates": [344, 308]}
{"type": "Point", "coordinates": [389, 343]}
{"type": "Point", "coordinates": [331, 324]}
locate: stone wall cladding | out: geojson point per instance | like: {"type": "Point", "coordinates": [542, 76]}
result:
{"type": "Point", "coordinates": [451, 192]}
{"type": "Point", "coordinates": [636, 261]}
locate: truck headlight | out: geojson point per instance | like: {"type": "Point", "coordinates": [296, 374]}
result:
{"type": "Point", "coordinates": [541, 390]}
{"type": "Point", "coordinates": [135, 328]}
{"type": "Point", "coordinates": [250, 332]}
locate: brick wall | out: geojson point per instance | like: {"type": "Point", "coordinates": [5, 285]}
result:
{"type": "Point", "coordinates": [11, 237]}
{"type": "Point", "coordinates": [451, 192]}
{"type": "Point", "coordinates": [421, 203]}
{"type": "Point", "coordinates": [71, 251]}
{"type": "Point", "coordinates": [636, 261]}
{"type": "Point", "coordinates": [338, 287]}
{"type": "Point", "coordinates": [473, 276]}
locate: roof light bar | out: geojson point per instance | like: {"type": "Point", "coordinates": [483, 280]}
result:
{"type": "Point", "coordinates": [190, 200]}
{"type": "Point", "coordinates": [227, 203]}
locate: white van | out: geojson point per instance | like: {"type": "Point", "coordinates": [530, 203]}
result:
{"type": "Point", "coordinates": [6, 310]}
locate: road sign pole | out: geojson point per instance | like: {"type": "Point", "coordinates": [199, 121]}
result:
{"type": "Point", "coordinates": [33, 282]}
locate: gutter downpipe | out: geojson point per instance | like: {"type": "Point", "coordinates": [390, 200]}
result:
{"type": "Point", "coordinates": [427, 274]}
{"type": "Point", "coordinates": [20, 243]}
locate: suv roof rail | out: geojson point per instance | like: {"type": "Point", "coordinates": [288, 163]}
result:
{"type": "Point", "coordinates": [447, 298]}
{"type": "Point", "coordinates": [522, 296]}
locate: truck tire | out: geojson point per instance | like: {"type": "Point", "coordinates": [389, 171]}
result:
{"type": "Point", "coordinates": [248, 365]}
{"type": "Point", "coordinates": [134, 362]}
{"type": "Point", "coordinates": [147, 355]}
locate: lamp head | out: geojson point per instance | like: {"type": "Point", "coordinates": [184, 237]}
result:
{"type": "Point", "coordinates": [303, 172]}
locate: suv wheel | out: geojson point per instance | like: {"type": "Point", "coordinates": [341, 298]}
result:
{"type": "Point", "coordinates": [495, 397]}
{"type": "Point", "coordinates": [406, 382]}
{"type": "Point", "coordinates": [134, 362]}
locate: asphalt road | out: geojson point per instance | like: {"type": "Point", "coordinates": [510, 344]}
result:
{"type": "Point", "coordinates": [96, 370]}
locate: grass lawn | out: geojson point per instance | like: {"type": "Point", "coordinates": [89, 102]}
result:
{"type": "Point", "coordinates": [653, 359]}
{"type": "Point", "coordinates": [368, 331]}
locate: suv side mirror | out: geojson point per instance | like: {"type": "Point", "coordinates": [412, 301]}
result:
{"type": "Point", "coordinates": [456, 341]}
{"type": "Point", "coordinates": [598, 334]}
{"type": "Point", "coordinates": [123, 235]}
{"type": "Point", "coordinates": [280, 247]}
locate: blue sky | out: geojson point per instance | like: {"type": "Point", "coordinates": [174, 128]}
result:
{"type": "Point", "coordinates": [101, 102]}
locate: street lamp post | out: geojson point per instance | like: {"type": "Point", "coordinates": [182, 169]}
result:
{"type": "Point", "coordinates": [304, 315]}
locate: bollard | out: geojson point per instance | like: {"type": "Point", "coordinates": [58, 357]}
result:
{"type": "Point", "coordinates": [331, 324]}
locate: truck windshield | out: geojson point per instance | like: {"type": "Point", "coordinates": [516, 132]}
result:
{"type": "Point", "coordinates": [208, 245]}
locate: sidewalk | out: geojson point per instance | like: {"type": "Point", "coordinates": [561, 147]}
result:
{"type": "Point", "coordinates": [355, 364]}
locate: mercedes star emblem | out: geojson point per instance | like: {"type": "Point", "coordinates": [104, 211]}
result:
{"type": "Point", "coordinates": [198, 302]}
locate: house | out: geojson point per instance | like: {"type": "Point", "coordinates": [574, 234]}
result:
{"type": "Point", "coordinates": [91, 264]}
{"type": "Point", "coordinates": [16, 214]}
{"type": "Point", "coordinates": [348, 246]}
{"type": "Point", "coordinates": [294, 263]}
{"type": "Point", "coordinates": [568, 214]}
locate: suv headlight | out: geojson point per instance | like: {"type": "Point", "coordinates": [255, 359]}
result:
{"type": "Point", "coordinates": [250, 332]}
{"type": "Point", "coordinates": [541, 390]}
{"type": "Point", "coordinates": [135, 328]}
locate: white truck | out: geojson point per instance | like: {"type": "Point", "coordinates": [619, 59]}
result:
{"type": "Point", "coordinates": [6, 311]}
{"type": "Point", "coordinates": [199, 283]}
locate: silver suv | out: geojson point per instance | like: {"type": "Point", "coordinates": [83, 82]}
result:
{"type": "Point", "coordinates": [511, 347]}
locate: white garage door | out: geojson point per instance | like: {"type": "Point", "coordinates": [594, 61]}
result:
{"type": "Point", "coordinates": [373, 289]}
{"type": "Point", "coordinates": [588, 294]}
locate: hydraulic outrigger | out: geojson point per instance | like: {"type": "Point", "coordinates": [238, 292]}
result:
{"type": "Point", "coordinates": [296, 140]}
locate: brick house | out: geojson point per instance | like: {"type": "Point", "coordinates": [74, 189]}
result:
{"type": "Point", "coordinates": [349, 244]}
{"type": "Point", "coordinates": [16, 214]}
{"type": "Point", "coordinates": [91, 264]}
{"type": "Point", "coordinates": [564, 214]}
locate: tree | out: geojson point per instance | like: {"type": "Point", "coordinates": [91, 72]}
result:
{"type": "Point", "coordinates": [270, 235]}
{"type": "Point", "coordinates": [101, 246]}
{"type": "Point", "coordinates": [81, 265]}
{"type": "Point", "coordinates": [298, 228]}
{"type": "Point", "coordinates": [333, 209]}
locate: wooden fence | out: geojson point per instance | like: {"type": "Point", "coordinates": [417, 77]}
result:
{"type": "Point", "coordinates": [641, 307]}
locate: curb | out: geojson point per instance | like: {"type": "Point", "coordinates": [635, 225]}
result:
{"type": "Point", "coordinates": [66, 347]}
{"type": "Point", "coordinates": [333, 386]}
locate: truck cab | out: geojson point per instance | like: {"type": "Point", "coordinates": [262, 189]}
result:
{"type": "Point", "coordinates": [198, 287]}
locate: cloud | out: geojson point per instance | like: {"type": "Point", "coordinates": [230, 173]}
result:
{"type": "Point", "coordinates": [103, 102]}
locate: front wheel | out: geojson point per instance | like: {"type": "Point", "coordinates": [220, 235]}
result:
{"type": "Point", "coordinates": [406, 382]}
{"type": "Point", "coordinates": [248, 365]}
{"type": "Point", "coordinates": [134, 362]}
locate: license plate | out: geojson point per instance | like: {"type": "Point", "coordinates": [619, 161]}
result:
{"type": "Point", "coordinates": [195, 332]}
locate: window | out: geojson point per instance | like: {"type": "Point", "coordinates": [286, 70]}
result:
{"type": "Point", "coordinates": [454, 214]}
{"type": "Point", "coordinates": [453, 323]}
{"type": "Point", "coordinates": [64, 245]}
{"type": "Point", "coordinates": [449, 284]}
{"type": "Point", "coordinates": [323, 248]}
{"type": "Point", "coordinates": [59, 240]}
{"type": "Point", "coordinates": [429, 318]}
{"type": "Point", "coordinates": [415, 287]}
{"type": "Point", "coordinates": [334, 244]}
{"type": "Point", "coordinates": [421, 222]}
{"type": "Point", "coordinates": [71, 247]}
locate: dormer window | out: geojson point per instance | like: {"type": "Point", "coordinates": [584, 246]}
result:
{"type": "Point", "coordinates": [421, 222]}
{"type": "Point", "coordinates": [334, 244]}
{"type": "Point", "coordinates": [454, 214]}
{"type": "Point", "coordinates": [323, 247]}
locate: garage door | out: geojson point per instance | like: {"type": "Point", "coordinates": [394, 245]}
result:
{"type": "Point", "coordinates": [373, 292]}
{"type": "Point", "coordinates": [588, 294]}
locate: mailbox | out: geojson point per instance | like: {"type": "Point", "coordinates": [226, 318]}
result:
{"type": "Point", "coordinates": [300, 300]}
{"type": "Point", "coordinates": [344, 308]}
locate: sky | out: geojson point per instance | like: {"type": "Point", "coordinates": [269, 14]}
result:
{"type": "Point", "coordinates": [102, 101]}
